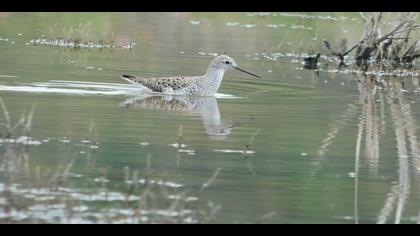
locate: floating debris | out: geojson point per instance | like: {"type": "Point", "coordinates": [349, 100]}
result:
{"type": "Point", "coordinates": [178, 145]}
{"type": "Point", "coordinates": [129, 46]}
{"type": "Point", "coordinates": [275, 25]}
{"type": "Point", "coordinates": [190, 152]}
{"type": "Point", "coordinates": [260, 14]}
{"type": "Point", "coordinates": [301, 27]}
{"type": "Point", "coordinates": [331, 18]}
{"type": "Point", "coordinates": [27, 141]}
{"type": "Point", "coordinates": [22, 140]}
{"type": "Point", "coordinates": [234, 151]}
{"type": "Point", "coordinates": [101, 180]}
{"type": "Point", "coordinates": [94, 146]}
{"type": "Point", "coordinates": [208, 54]}
{"type": "Point", "coordinates": [65, 140]}
{"type": "Point", "coordinates": [162, 183]}
{"type": "Point", "coordinates": [186, 199]}
{"type": "Point", "coordinates": [73, 175]}
{"type": "Point", "coordinates": [9, 76]}
{"type": "Point", "coordinates": [248, 26]}
{"type": "Point", "coordinates": [80, 208]}
{"type": "Point", "coordinates": [195, 22]}
{"type": "Point", "coordinates": [232, 23]}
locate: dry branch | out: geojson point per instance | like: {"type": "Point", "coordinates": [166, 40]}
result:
{"type": "Point", "coordinates": [397, 48]}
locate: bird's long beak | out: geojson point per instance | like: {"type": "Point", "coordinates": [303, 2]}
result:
{"type": "Point", "coordinates": [237, 68]}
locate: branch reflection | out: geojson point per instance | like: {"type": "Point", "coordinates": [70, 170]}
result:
{"type": "Point", "coordinates": [381, 99]}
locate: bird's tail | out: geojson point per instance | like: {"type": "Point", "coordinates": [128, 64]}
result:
{"type": "Point", "coordinates": [139, 82]}
{"type": "Point", "coordinates": [130, 79]}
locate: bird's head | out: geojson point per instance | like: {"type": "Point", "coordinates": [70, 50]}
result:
{"type": "Point", "coordinates": [224, 62]}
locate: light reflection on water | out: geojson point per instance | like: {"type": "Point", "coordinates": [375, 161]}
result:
{"type": "Point", "coordinates": [83, 88]}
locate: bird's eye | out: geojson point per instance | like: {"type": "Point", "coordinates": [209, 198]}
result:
{"type": "Point", "coordinates": [227, 62]}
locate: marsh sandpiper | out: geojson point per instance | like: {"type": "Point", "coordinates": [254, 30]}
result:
{"type": "Point", "coordinates": [204, 85]}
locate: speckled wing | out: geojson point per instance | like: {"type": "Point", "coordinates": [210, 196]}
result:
{"type": "Point", "coordinates": [158, 84]}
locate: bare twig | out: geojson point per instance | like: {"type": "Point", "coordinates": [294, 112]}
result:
{"type": "Point", "coordinates": [28, 125]}
{"type": "Point", "coordinates": [6, 115]}
{"type": "Point", "coordinates": [211, 180]}
{"type": "Point", "coordinates": [265, 217]}
{"type": "Point", "coordinates": [251, 139]}
{"type": "Point", "coordinates": [365, 19]}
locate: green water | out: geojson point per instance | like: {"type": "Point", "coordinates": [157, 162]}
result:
{"type": "Point", "coordinates": [327, 150]}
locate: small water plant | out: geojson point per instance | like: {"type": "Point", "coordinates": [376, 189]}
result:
{"type": "Point", "coordinates": [80, 37]}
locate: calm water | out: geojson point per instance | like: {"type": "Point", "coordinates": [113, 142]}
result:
{"type": "Point", "coordinates": [325, 149]}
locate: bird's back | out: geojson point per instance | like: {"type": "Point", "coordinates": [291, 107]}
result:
{"type": "Point", "coordinates": [162, 84]}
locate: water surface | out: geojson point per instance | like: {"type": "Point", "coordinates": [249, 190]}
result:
{"type": "Point", "coordinates": [294, 147]}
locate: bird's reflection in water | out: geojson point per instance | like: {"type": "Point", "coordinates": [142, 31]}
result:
{"type": "Point", "coordinates": [206, 107]}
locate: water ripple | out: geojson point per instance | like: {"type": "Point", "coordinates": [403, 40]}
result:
{"type": "Point", "coordinates": [82, 88]}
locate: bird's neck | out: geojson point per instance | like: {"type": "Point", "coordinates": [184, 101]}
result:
{"type": "Point", "coordinates": [212, 81]}
{"type": "Point", "coordinates": [214, 74]}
